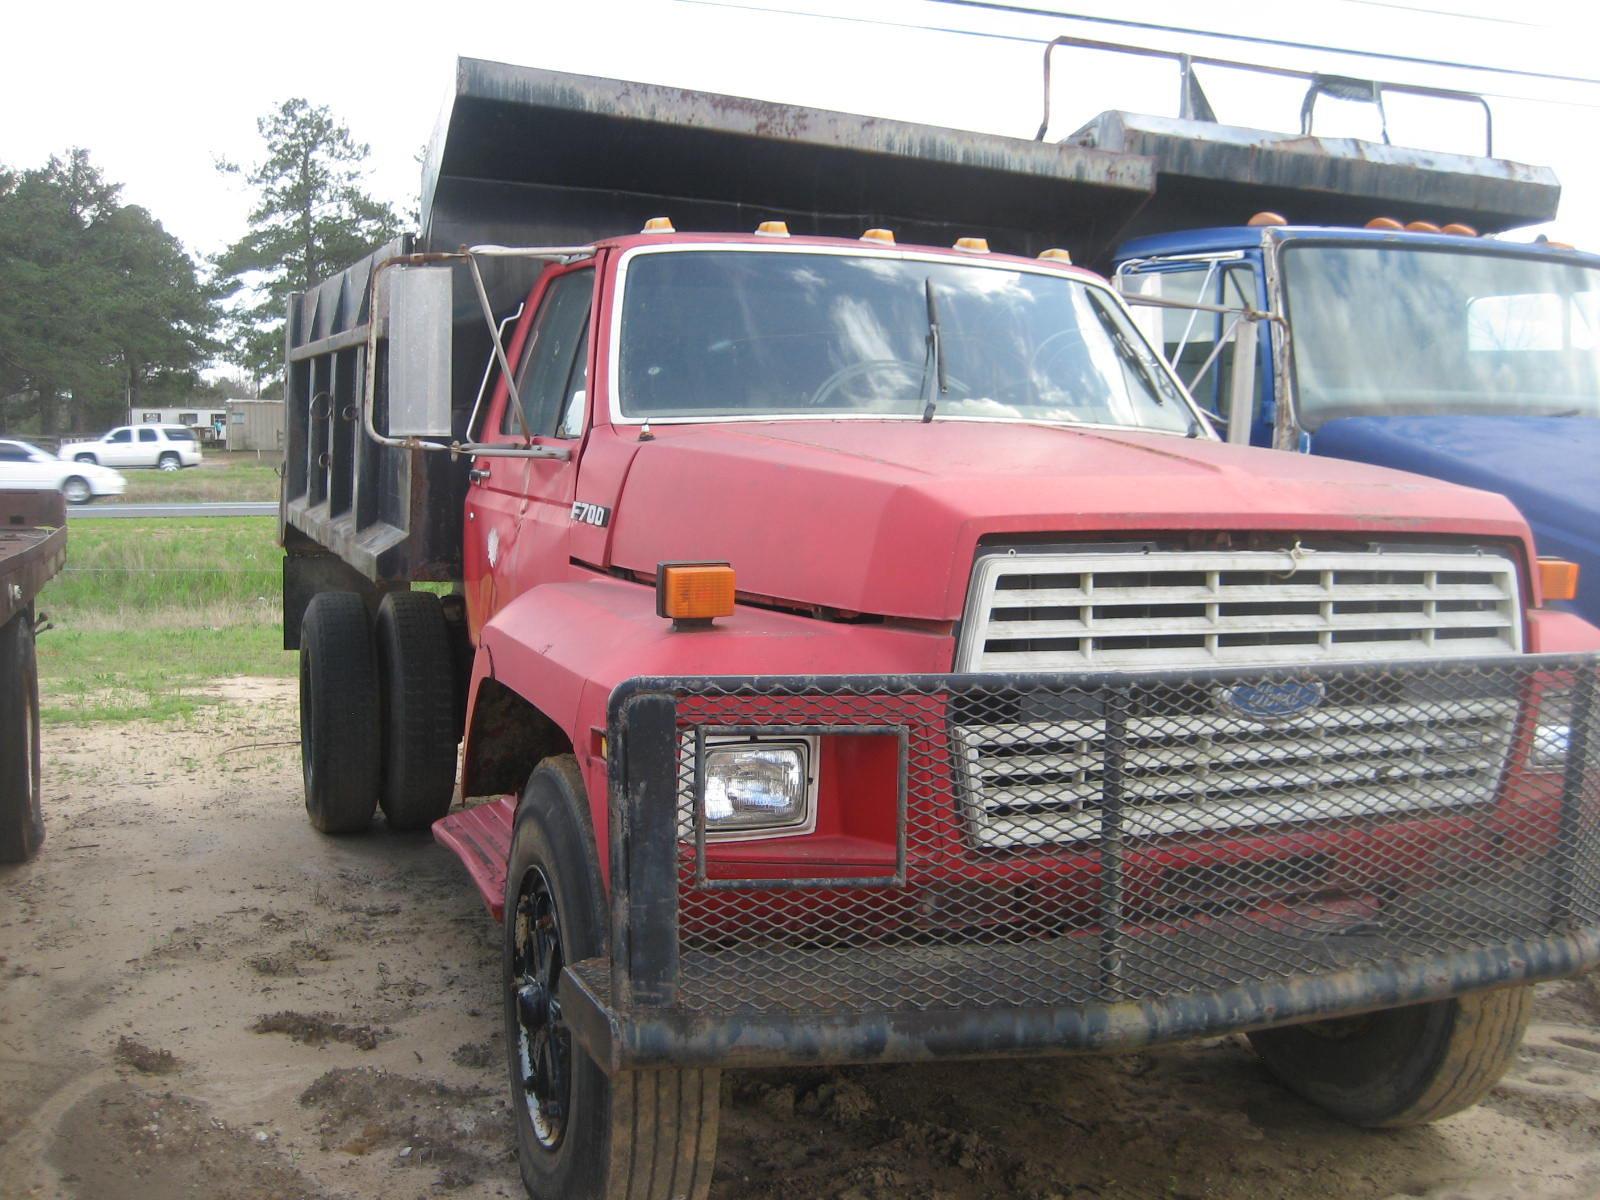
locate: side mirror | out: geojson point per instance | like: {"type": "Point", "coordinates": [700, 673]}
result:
{"type": "Point", "coordinates": [419, 351]}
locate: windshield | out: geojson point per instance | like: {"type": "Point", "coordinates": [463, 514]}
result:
{"type": "Point", "coordinates": [728, 333]}
{"type": "Point", "coordinates": [1387, 330]}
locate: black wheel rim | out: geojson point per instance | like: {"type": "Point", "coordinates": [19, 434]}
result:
{"type": "Point", "coordinates": [544, 1044]}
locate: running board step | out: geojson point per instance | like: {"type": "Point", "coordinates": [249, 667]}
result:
{"type": "Point", "coordinates": [481, 838]}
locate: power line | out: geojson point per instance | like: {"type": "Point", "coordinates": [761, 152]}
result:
{"type": "Point", "coordinates": [1445, 12]}
{"type": "Point", "coordinates": [1257, 40]}
{"type": "Point", "coordinates": [1025, 39]}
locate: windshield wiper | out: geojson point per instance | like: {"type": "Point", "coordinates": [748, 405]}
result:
{"type": "Point", "coordinates": [934, 381]}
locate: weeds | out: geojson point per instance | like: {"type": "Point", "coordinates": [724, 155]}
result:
{"type": "Point", "coordinates": [220, 477]}
{"type": "Point", "coordinates": [148, 613]}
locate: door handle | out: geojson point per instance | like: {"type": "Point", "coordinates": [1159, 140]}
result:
{"type": "Point", "coordinates": [478, 474]}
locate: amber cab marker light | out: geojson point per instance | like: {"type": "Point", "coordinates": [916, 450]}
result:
{"type": "Point", "coordinates": [972, 245]}
{"type": "Point", "coordinates": [772, 229]}
{"type": "Point", "coordinates": [1422, 227]}
{"type": "Point", "coordinates": [1270, 219]}
{"type": "Point", "coordinates": [658, 225]}
{"type": "Point", "coordinates": [1056, 254]}
{"type": "Point", "coordinates": [694, 594]}
{"type": "Point", "coordinates": [1459, 229]}
{"type": "Point", "coordinates": [1388, 224]}
{"type": "Point", "coordinates": [1558, 579]}
{"type": "Point", "coordinates": [883, 236]}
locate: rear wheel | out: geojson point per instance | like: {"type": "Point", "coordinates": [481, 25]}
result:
{"type": "Point", "coordinates": [636, 1135]}
{"type": "Point", "coordinates": [21, 819]}
{"type": "Point", "coordinates": [339, 737]}
{"type": "Point", "coordinates": [169, 461]}
{"type": "Point", "coordinates": [76, 490]}
{"type": "Point", "coordinates": [417, 681]}
{"type": "Point", "coordinates": [1402, 1066]}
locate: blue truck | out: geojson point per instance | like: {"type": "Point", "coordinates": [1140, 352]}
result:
{"type": "Point", "coordinates": [1391, 327]}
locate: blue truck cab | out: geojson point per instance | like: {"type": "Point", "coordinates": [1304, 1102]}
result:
{"type": "Point", "coordinates": [1459, 357]}
{"type": "Point", "coordinates": [1397, 331]}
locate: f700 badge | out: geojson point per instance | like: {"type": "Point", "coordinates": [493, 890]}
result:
{"type": "Point", "coordinates": [585, 513]}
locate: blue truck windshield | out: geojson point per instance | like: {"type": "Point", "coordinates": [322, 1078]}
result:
{"type": "Point", "coordinates": [711, 334]}
{"type": "Point", "coordinates": [1382, 329]}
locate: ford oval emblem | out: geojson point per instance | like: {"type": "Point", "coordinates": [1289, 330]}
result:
{"type": "Point", "coordinates": [1269, 701]}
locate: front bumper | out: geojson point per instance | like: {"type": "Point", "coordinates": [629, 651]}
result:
{"type": "Point", "coordinates": [1335, 897]}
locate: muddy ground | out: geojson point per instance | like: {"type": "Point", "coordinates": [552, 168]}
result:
{"type": "Point", "coordinates": [201, 997]}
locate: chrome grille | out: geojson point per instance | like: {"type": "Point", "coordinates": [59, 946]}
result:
{"type": "Point", "coordinates": [1158, 610]}
{"type": "Point", "coordinates": [1039, 779]}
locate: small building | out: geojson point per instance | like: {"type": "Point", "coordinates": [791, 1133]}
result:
{"type": "Point", "coordinates": [255, 425]}
{"type": "Point", "coordinates": [207, 423]}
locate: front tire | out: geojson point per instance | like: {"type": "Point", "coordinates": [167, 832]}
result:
{"type": "Point", "coordinates": [417, 681]}
{"type": "Point", "coordinates": [76, 490]}
{"type": "Point", "coordinates": [637, 1135]}
{"type": "Point", "coordinates": [87, 458]}
{"type": "Point", "coordinates": [339, 738]}
{"type": "Point", "coordinates": [21, 818]}
{"type": "Point", "coordinates": [1402, 1066]}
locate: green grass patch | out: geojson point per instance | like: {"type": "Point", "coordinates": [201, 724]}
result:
{"type": "Point", "coordinates": [154, 674]}
{"type": "Point", "coordinates": [149, 613]}
{"type": "Point", "coordinates": [221, 476]}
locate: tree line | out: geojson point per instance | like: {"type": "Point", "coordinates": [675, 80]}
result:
{"type": "Point", "coordinates": [102, 309]}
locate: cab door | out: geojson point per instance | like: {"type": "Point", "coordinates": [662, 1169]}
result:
{"type": "Point", "coordinates": [519, 510]}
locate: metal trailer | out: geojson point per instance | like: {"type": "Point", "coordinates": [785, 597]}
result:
{"type": "Point", "coordinates": [33, 547]}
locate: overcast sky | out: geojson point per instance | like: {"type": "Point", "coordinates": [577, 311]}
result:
{"type": "Point", "coordinates": [157, 92]}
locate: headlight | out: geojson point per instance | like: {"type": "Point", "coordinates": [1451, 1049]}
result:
{"type": "Point", "coordinates": [1552, 733]}
{"type": "Point", "coordinates": [758, 786]}
{"type": "Point", "coordinates": [1550, 743]}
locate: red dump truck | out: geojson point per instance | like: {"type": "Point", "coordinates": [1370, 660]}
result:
{"type": "Point", "coordinates": [33, 547]}
{"type": "Point", "coordinates": [862, 650]}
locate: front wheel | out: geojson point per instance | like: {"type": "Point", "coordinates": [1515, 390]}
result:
{"type": "Point", "coordinates": [581, 1135]}
{"type": "Point", "coordinates": [168, 462]}
{"type": "Point", "coordinates": [77, 490]}
{"type": "Point", "coordinates": [1401, 1066]}
{"type": "Point", "coordinates": [87, 458]}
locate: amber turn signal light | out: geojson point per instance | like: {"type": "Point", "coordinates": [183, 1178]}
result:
{"type": "Point", "coordinates": [1558, 579]}
{"type": "Point", "coordinates": [693, 594]}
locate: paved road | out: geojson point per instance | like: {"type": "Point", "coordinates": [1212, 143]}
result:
{"type": "Point", "coordinates": [254, 508]}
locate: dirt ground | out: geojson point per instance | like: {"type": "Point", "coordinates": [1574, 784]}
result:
{"type": "Point", "coordinates": [201, 997]}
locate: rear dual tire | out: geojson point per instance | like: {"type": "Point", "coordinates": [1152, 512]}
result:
{"type": "Point", "coordinates": [377, 711]}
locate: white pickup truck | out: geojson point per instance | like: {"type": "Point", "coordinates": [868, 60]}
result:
{"type": "Point", "coordinates": [168, 447]}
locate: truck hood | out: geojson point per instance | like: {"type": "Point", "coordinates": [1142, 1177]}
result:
{"type": "Point", "coordinates": [1547, 466]}
{"type": "Point", "coordinates": [884, 517]}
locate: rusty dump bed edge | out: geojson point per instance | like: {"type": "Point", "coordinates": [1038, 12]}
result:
{"type": "Point", "coordinates": [33, 546]}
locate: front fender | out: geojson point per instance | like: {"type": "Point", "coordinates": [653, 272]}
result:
{"type": "Point", "coordinates": [563, 647]}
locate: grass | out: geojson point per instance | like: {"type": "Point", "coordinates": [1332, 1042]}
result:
{"type": "Point", "coordinates": [148, 613]}
{"type": "Point", "coordinates": [238, 476]}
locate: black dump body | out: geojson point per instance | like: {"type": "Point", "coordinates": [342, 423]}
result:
{"type": "Point", "coordinates": [1209, 175]}
{"type": "Point", "coordinates": [542, 158]}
